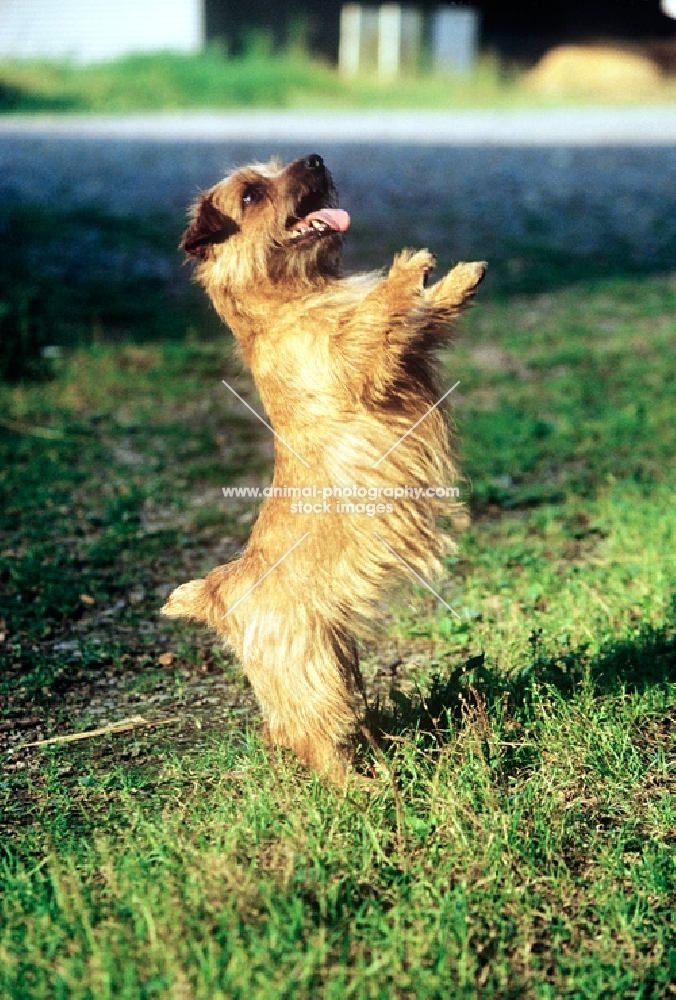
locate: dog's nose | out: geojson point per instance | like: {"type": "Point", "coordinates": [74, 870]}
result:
{"type": "Point", "coordinates": [314, 162]}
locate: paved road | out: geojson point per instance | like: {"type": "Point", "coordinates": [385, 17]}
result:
{"type": "Point", "coordinates": [652, 125]}
{"type": "Point", "coordinates": [503, 186]}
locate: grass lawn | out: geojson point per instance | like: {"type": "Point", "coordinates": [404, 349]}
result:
{"type": "Point", "coordinates": [520, 842]}
{"type": "Point", "coordinates": [259, 79]}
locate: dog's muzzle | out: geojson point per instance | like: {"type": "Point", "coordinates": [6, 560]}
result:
{"type": "Point", "coordinates": [314, 217]}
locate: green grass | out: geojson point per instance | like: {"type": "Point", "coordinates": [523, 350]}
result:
{"type": "Point", "coordinates": [525, 845]}
{"type": "Point", "coordinates": [259, 79]}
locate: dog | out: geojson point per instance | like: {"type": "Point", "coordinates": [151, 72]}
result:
{"type": "Point", "coordinates": [346, 371]}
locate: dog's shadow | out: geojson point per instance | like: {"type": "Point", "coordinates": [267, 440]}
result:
{"type": "Point", "coordinates": [475, 689]}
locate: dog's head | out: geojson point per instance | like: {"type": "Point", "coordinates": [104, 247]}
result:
{"type": "Point", "coordinates": [268, 224]}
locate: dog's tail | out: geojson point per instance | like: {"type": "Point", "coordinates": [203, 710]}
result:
{"type": "Point", "coordinates": [188, 601]}
{"type": "Point", "coordinates": [207, 600]}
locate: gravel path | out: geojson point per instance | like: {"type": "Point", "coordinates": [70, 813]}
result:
{"type": "Point", "coordinates": [456, 191]}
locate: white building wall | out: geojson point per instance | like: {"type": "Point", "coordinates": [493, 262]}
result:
{"type": "Point", "coordinates": [92, 30]}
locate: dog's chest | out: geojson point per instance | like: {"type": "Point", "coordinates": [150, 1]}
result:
{"type": "Point", "coordinates": [296, 373]}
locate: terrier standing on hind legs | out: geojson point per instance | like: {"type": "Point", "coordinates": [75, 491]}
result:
{"type": "Point", "coordinates": [345, 369]}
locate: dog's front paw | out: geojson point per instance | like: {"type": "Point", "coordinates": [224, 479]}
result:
{"type": "Point", "coordinates": [187, 601]}
{"type": "Point", "coordinates": [466, 276]}
{"type": "Point", "coordinates": [458, 286]}
{"type": "Point", "coordinates": [412, 268]}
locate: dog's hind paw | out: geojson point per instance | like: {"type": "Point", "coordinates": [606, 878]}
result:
{"type": "Point", "coordinates": [187, 601]}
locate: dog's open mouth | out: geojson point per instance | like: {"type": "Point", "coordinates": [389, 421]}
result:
{"type": "Point", "coordinates": [318, 223]}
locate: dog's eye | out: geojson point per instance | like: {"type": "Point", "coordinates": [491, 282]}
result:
{"type": "Point", "coordinates": [252, 194]}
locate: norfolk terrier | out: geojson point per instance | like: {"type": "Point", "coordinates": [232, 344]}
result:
{"type": "Point", "coordinates": [346, 371]}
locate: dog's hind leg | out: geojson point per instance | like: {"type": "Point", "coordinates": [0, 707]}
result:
{"type": "Point", "coordinates": [304, 675]}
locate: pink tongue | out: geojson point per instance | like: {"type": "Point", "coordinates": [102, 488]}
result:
{"type": "Point", "coordinates": [336, 218]}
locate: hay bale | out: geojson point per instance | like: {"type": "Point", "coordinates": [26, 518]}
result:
{"type": "Point", "coordinates": [596, 71]}
{"type": "Point", "coordinates": [662, 51]}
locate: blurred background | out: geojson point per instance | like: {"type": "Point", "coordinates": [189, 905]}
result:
{"type": "Point", "coordinates": [89, 220]}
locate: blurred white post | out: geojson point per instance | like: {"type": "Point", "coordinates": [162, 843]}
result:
{"type": "Point", "coordinates": [669, 8]}
{"type": "Point", "coordinates": [350, 39]}
{"type": "Point", "coordinates": [385, 39]}
{"type": "Point", "coordinates": [411, 40]}
{"type": "Point", "coordinates": [389, 41]}
{"type": "Point", "coordinates": [455, 39]}
{"type": "Point", "coordinates": [368, 51]}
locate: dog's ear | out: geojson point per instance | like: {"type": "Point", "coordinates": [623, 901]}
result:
{"type": "Point", "coordinates": [210, 226]}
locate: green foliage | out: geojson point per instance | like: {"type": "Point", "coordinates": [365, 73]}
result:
{"type": "Point", "coordinates": [164, 82]}
{"type": "Point", "coordinates": [261, 76]}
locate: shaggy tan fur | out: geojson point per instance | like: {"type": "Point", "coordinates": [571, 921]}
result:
{"type": "Point", "coordinates": [344, 367]}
